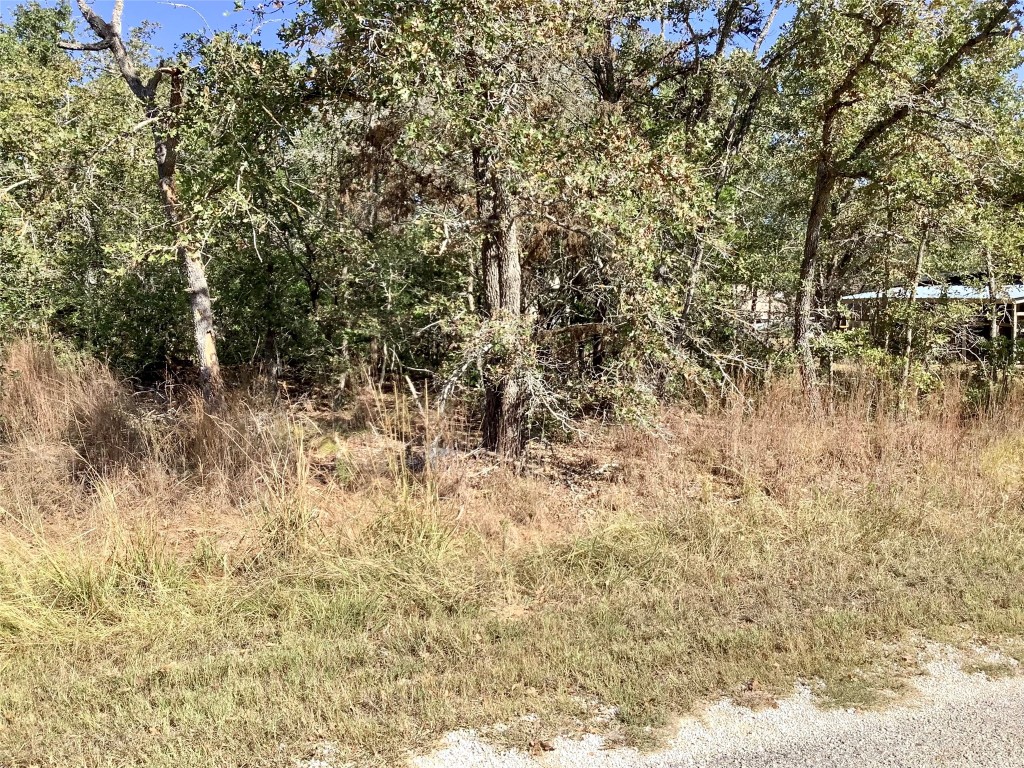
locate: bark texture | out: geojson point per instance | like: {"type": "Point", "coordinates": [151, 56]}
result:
{"type": "Point", "coordinates": [824, 182]}
{"type": "Point", "coordinates": [908, 341]}
{"type": "Point", "coordinates": [504, 428]}
{"type": "Point", "coordinates": [164, 124]}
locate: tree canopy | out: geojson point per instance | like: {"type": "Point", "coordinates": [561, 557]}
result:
{"type": "Point", "coordinates": [545, 209]}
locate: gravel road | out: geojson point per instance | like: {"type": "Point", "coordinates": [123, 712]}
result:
{"type": "Point", "coordinates": [957, 719]}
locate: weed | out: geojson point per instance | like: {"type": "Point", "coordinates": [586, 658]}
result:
{"type": "Point", "coordinates": [240, 590]}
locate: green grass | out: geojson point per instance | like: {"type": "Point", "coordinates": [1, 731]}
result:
{"type": "Point", "coordinates": [178, 591]}
{"type": "Point", "coordinates": [381, 642]}
{"type": "Point", "coordinates": [993, 670]}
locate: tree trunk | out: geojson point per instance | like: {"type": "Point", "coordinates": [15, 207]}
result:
{"type": "Point", "coordinates": [882, 318]}
{"type": "Point", "coordinates": [190, 259]}
{"type": "Point", "coordinates": [1013, 337]}
{"type": "Point", "coordinates": [165, 140]}
{"type": "Point", "coordinates": [908, 341]}
{"type": "Point", "coordinates": [504, 428]}
{"type": "Point", "coordinates": [696, 264]}
{"type": "Point", "coordinates": [824, 182]}
{"type": "Point", "coordinates": [993, 331]}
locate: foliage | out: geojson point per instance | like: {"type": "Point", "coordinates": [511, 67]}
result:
{"type": "Point", "coordinates": [659, 165]}
{"type": "Point", "coordinates": [197, 591]}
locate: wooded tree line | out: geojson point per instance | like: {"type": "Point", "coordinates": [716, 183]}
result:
{"type": "Point", "coordinates": [542, 208]}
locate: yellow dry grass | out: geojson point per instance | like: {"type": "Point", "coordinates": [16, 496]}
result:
{"type": "Point", "coordinates": [177, 589]}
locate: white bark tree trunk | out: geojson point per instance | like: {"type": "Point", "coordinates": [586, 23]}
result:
{"type": "Point", "coordinates": [165, 149]}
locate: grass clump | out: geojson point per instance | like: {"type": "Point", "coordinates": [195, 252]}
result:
{"type": "Point", "coordinates": [250, 607]}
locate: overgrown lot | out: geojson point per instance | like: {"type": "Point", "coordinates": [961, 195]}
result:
{"type": "Point", "coordinates": [181, 590]}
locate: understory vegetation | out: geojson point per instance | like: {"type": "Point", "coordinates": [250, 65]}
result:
{"type": "Point", "coordinates": [273, 583]}
{"type": "Point", "coordinates": [538, 211]}
{"type": "Point", "coordinates": [486, 363]}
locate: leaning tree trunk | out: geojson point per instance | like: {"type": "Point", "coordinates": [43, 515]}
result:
{"type": "Point", "coordinates": [504, 428]}
{"type": "Point", "coordinates": [191, 259]}
{"type": "Point", "coordinates": [823, 184]}
{"type": "Point", "coordinates": [165, 138]}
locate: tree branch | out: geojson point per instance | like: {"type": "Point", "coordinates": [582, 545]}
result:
{"type": "Point", "coordinates": [836, 101]}
{"type": "Point", "coordinates": [109, 38]}
{"type": "Point", "coordinates": [99, 26]}
{"type": "Point", "coordinates": [882, 126]}
{"type": "Point", "coordinates": [11, 187]}
{"type": "Point", "coordinates": [756, 50]}
{"type": "Point", "coordinates": [72, 45]}
{"type": "Point", "coordinates": [158, 75]}
{"type": "Point", "coordinates": [115, 19]}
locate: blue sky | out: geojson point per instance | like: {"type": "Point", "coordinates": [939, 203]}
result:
{"type": "Point", "coordinates": [175, 18]}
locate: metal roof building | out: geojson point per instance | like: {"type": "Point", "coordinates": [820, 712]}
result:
{"type": "Point", "coordinates": [999, 315]}
{"type": "Point", "coordinates": [1008, 294]}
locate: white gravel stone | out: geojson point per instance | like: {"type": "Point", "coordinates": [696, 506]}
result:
{"type": "Point", "coordinates": [958, 719]}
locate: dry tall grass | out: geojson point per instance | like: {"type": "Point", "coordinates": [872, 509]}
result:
{"type": "Point", "coordinates": [182, 590]}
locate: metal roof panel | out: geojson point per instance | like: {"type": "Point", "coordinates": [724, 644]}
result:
{"type": "Point", "coordinates": [950, 292]}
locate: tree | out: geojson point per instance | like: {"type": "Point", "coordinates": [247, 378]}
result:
{"type": "Point", "coordinates": [164, 127]}
{"type": "Point", "coordinates": [871, 71]}
{"type": "Point", "coordinates": [77, 214]}
{"type": "Point", "coordinates": [502, 138]}
{"type": "Point", "coordinates": [544, 208]}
